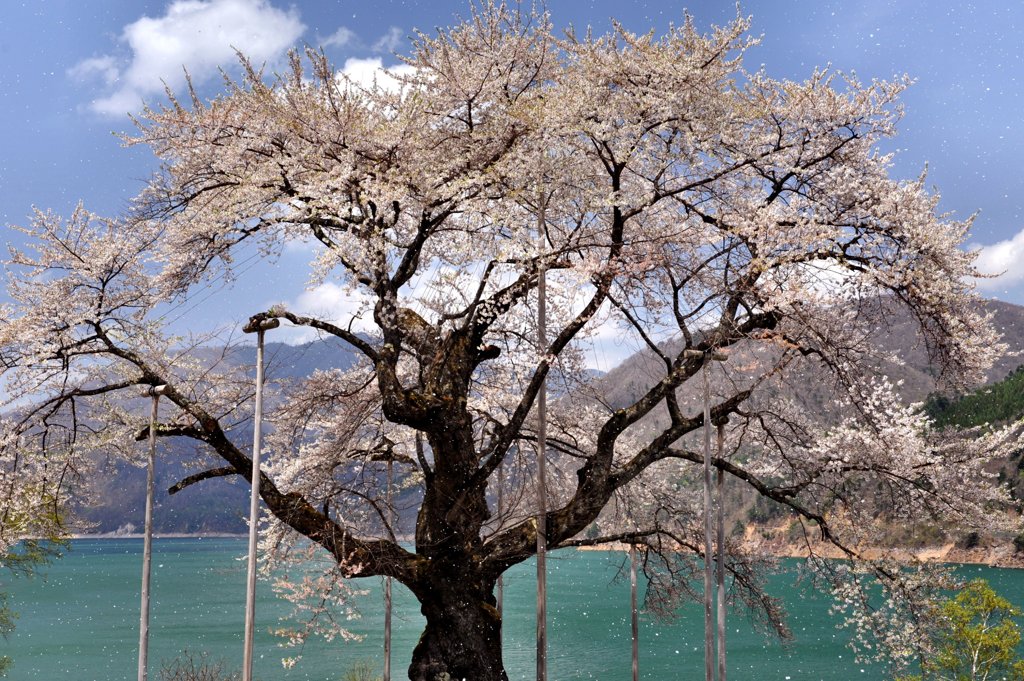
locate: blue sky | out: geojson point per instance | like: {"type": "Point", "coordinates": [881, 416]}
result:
{"type": "Point", "coordinates": [73, 69]}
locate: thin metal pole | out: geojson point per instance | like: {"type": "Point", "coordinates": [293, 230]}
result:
{"type": "Point", "coordinates": [147, 542]}
{"type": "Point", "coordinates": [635, 612]}
{"type": "Point", "coordinates": [720, 563]}
{"type": "Point", "coordinates": [387, 587]}
{"type": "Point", "coordinates": [501, 508]}
{"type": "Point", "coordinates": [259, 327]}
{"type": "Point", "coordinates": [542, 491]}
{"type": "Point", "coordinates": [709, 631]}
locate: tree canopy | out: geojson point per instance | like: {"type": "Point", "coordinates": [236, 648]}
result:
{"type": "Point", "coordinates": [975, 637]}
{"type": "Point", "coordinates": [660, 189]}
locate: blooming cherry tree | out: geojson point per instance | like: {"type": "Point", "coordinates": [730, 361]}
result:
{"type": "Point", "coordinates": [660, 186]}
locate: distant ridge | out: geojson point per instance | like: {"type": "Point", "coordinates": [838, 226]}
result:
{"type": "Point", "coordinates": [219, 506]}
{"type": "Point", "coordinates": [216, 506]}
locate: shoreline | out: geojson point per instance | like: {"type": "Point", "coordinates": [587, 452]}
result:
{"type": "Point", "coordinates": [158, 535]}
{"type": "Point", "coordinates": [1004, 557]}
{"type": "Point", "coordinates": [995, 556]}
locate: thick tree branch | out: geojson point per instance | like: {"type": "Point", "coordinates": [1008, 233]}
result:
{"type": "Point", "coordinates": [301, 320]}
{"type": "Point", "coordinates": [199, 477]}
{"type": "Point", "coordinates": [367, 557]}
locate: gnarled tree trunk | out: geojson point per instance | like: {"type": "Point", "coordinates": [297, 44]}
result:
{"type": "Point", "coordinates": [462, 637]}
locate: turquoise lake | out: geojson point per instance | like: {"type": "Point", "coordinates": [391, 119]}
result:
{"type": "Point", "coordinates": [79, 622]}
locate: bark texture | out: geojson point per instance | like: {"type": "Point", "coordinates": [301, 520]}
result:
{"type": "Point", "coordinates": [462, 637]}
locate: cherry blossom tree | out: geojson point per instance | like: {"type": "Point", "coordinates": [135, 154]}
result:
{"type": "Point", "coordinates": [662, 190]}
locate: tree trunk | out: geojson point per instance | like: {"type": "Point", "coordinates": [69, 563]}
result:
{"type": "Point", "coordinates": [463, 634]}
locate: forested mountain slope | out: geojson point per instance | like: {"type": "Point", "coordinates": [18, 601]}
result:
{"type": "Point", "coordinates": [220, 505]}
{"type": "Point", "coordinates": [214, 506]}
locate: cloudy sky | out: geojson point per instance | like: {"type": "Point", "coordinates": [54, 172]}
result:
{"type": "Point", "coordinates": [73, 71]}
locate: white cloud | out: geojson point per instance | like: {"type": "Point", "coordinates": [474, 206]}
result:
{"type": "Point", "coordinates": [1005, 259]}
{"type": "Point", "coordinates": [364, 72]}
{"type": "Point", "coordinates": [612, 343]}
{"type": "Point", "coordinates": [105, 67]}
{"type": "Point", "coordinates": [343, 37]}
{"type": "Point", "coordinates": [197, 35]}
{"type": "Point", "coordinates": [390, 41]}
{"type": "Point", "coordinates": [331, 303]}
{"type": "Point", "coordinates": [826, 278]}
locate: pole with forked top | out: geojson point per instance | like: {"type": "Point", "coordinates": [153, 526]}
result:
{"type": "Point", "coordinates": [147, 543]}
{"type": "Point", "coordinates": [542, 485]}
{"type": "Point", "coordinates": [708, 356]}
{"type": "Point", "coordinates": [391, 522]}
{"type": "Point", "coordinates": [258, 326]}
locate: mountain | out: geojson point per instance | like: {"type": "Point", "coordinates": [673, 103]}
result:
{"type": "Point", "coordinates": [897, 338]}
{"type": "Point", "coordinates": [900, 337]}
{"type": "Point", "coordinates": [221, 505]}
{"type": "Point", "coordinates": [994, 403]}
{"type": "Point", "coordinates": [767, 527]}
{"type": "Point", "coordinates": [216, 506]}
{"type": "Point", "coordinates": [283, 361]}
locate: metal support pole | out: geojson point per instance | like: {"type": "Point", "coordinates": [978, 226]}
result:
{"type": "Point", "coordinates": [542, 491]}
{"type": "Point", "coordinates": [709, 633]}
{"type": "Point", "coordinates": [147, 542]}
{"type": "Point", "coordinates": [635, 612]}
{"type": "Point", "coordinates": [501, 508]}
{"type": "Point", "coordinates": [387, 586]}
{"type": "Point", "coordinates": [720, 562]}
{"type": "Point", "coordinates": [259, 327]}
{"type": "Point", "coordinates": [709, 586]}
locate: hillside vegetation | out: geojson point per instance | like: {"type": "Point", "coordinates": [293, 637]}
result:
{"type": "Point", "coordinates": [221, 505]}
{"type": "Point", "coordinates": [995, 403]}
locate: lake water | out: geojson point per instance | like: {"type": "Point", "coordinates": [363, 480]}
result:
{"type": "Point", "coordinates": [79, 622]}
